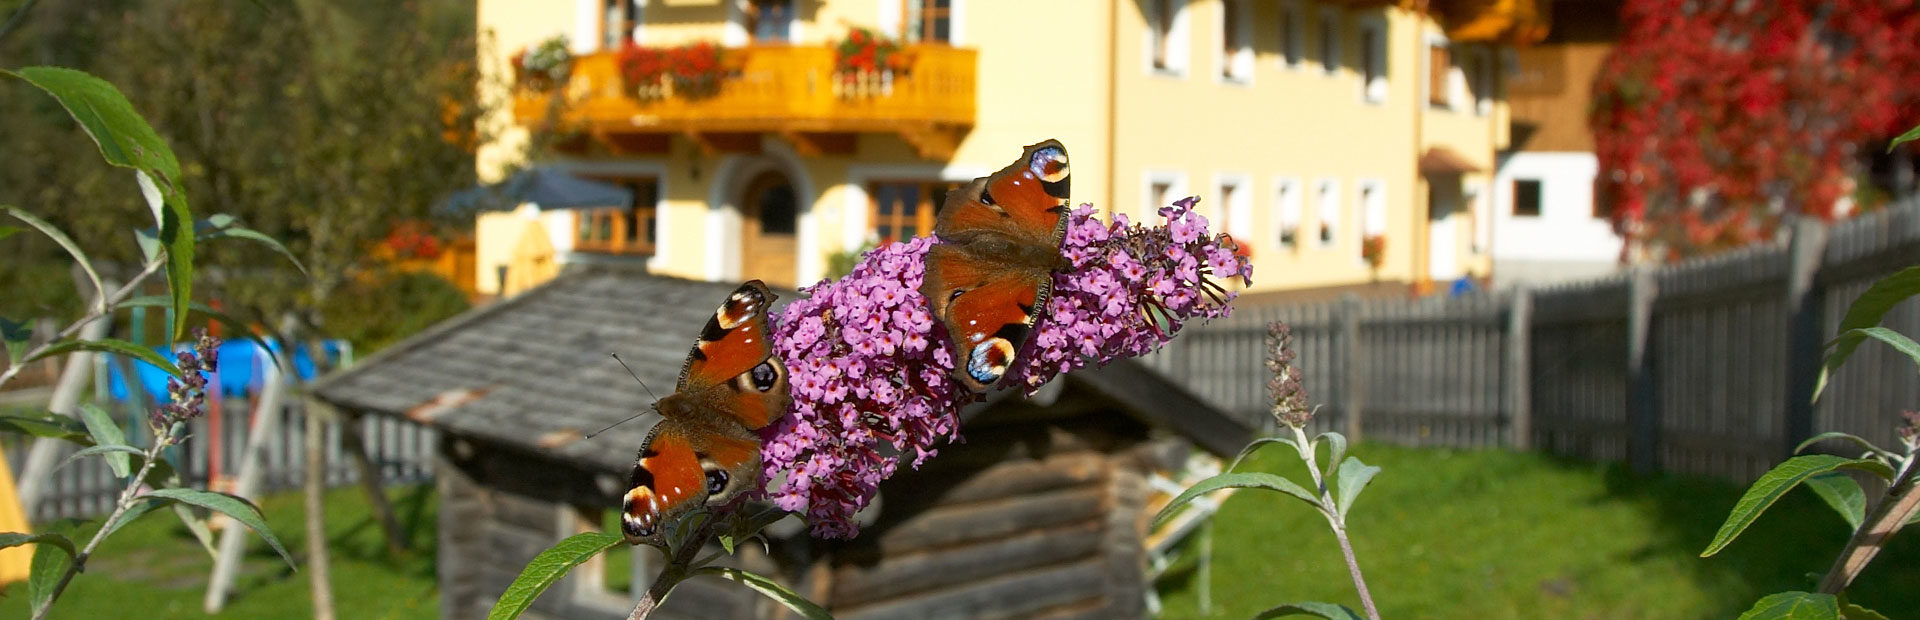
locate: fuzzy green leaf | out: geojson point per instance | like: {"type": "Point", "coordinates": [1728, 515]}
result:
{"type": "Point", "coordinates": [7, 231]}
{"type": "Point", "coordinates": [48, 425]}
{"type": "Point", "coordinates": [773, 590]}
{"type": "Point", "coordinates": [106, 435]}
{"type": "Point", "coordinates": [1843, 495]}
{"type": "Point", "coordinates": [65, 242]}
{"type": "Point", "coordinates": [239, 508]}
{"type": "Point", "coordinates": [1255, 446]}
{"type": "Point", "coordinates": [139, 508]}
{"type": "Point", "coordinates": [1244, 480]}
{"type": "Point", "coordinates": [1850, 611]}
{"type": "Point", "coordinates": [1329, 611]}
{"type": "Point", "coordinates": [1851, 339]}
{"type": "Point", "coordinates": [15, 336]}
{"type": "Point", "coordinates": [546, 568]}
{"type": "Point", "coordinates": [1352, 478]}
{"type": "Point", "coordinates": [1336, 447]}
{"type": "Point", "coordinates": [15, 539]}
{"type": "Point", "coordinates": [1848, 437]}
{"type": "Point", "coordinates": [236, 231]}
{"type": "Point", "coordinates": [120, 450]}
{"type": "Point", "coordinates": [49, 564]}
{"type": "Point", "coordinates": [1867, 311]}
{"type": "Point", "coordinates": [1776, 483]}
{"type": "Point", "coordinates": [171, 215]}
{"type": "Point", "coordinates": [1909, 136]}
{"type": "Point", "coordinates": [1794, 606]}
{"type": "Point", "coordinates": [112, 345]}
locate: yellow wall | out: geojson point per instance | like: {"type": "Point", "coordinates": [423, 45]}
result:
{"type": "Point", "coordinates": [1045, 72]}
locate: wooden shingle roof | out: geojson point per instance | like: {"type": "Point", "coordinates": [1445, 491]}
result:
{"type": "Point", "coordinates": [533, 371]}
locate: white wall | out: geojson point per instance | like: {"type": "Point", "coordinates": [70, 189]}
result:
{"type": "Point", "coordinates": [1565, 241]}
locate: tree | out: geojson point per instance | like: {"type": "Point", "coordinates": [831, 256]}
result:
{"type": "Point", "coordinates": [1715, 119]}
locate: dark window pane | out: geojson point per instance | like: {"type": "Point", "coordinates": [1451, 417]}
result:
{"type": "Point", "coordinates": [908, 232]}
{"type": "Point", "coordinates": [942, 29]}
{"type": "Point", "coordinates": [885, 231]}
{"type": "Point", "coordinates": [633, 225]}
{"type": "Point", "coordinates": [883, 200]}
{"type": "Point", "coordinates": [778, 210]}
{"type": "Point", "coordinates": [910, 200]}
{"type": "Point", "coordinates": [1526, 197]}
{"type": "Point", "coordinates": [606, 227]}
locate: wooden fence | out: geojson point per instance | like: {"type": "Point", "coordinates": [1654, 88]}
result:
{"type": "Point", "coordinates": [402, 452]}
{"type": "Point", "coordinates": [1706, 366]}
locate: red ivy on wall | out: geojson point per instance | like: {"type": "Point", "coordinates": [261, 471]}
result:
{"type": "Point", "coordinates": [1713, 118]}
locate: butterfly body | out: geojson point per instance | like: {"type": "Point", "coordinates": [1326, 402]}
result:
{"type": "Point", "coordinates": [991, 274]}
{"type": "Point", "coordinates": [705, 451]}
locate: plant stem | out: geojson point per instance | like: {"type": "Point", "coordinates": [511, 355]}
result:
{"type": "Point", "coordinates": [1889, 514]}
{"type": "Point", "coordinates": [1331, 510]}
{"type": "Point", "coordinates": [100, 310]}
{"type": "Point", "coordinates": [676, 571]}
{"type": "Point", "coordinates": [127, 498]}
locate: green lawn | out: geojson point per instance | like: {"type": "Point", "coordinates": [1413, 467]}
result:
{"type": "Point", "coordinates": [154, 569]}
{"type": "Point", "coordinates": [1492, 534]}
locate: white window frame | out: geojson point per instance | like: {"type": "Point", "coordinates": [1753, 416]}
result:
{"type": "Point", "coordinates": [1327, 212]}
{"type": "Point", "coordinates": [1239, 210]}
{"type": "Point", "coordinates": [1235, 67]}
{"type": "Point", "coordinates": [1330, 40]}
{"type": "Point", "coordinates": [1293, 35]}
{"type": "Point", "coordinates": [1179, 42]}
{"type": "Point", "coordinates": [1176, 189]}
{"type": "Point", "coordinates": [1371, 196]}
{"type": "Point", "coordinates": [1289, 210]}
{"type": "Point", "coordinates": [1375, 91]}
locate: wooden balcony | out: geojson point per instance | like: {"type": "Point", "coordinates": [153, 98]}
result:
{"type": "Point", "coordinates": [790, 91]}
{"type": "Point", "coordinates": [1476, 21]}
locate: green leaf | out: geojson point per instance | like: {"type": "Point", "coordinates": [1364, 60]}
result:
{"type": "Point", "coordinates": [1776, 483]}
{"type": "Point", "coordinates": [1329, 611]}
{"type": "Point", "coordinates": [547, 568]}
{"type": "Point", "coordinates": [15, 539]}
{"type": "Point", "coordinates": [236, 231]}
{"type": "Point", "coordinates": [1336, 447]}
{"type": "Point", "coordinates": [1243, 480]}
{"type": "Point", "coordinates": [1254, 446]}
{"type": "Point", "coordinates": [106, 435]}
{"type": "Point", "coordinates": [1794, 606]}
{"type": "Point", "coordinates": [7, 231]}
{"type": "Point", "coordinates": [170, 213]}
{"type": "Point", "coordinates": [198, 526]}
{"type": "Point", "coordinates": [1849, 437]}
{"type": "Point", "coordinates": [1850, 611]}
{"type": "Point", "coordinates": [15, 335]}
{"type": "Point", "coordinates": [48, 425]}
{"type": "Point", "coordinates": [1867, 311]}
{"type": "Point", "coordinates": [112, 345]}
{"type": "Point", "coordinates": [771, 589]}
{"type": "Point", "coordinates": [139, 508]}
{"type": "Point", "coordinates": [109, 450]}
{"type": "Point", "coordinates": [1909, 136]}
{"type": "Point", "coordinates": [239, 508]}
{"type": "Point", "coordinates": [1851, 339]}
{"type": "Point", "coordinates": [65, 242]}
{"type": "Point", "coordinates": [1843, 495]}
{"type": "Point", "coordinates": [1352, 478]}
{"type": "Point", "coordinates": [49, 565]}
{"type": "Point", "coordinates": [238, 326]}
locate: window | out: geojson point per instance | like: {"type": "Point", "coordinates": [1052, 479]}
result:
{"type": "Point", "coordinates": [902, 210]}
{"type": "Point", "coordinates": [1286, 204]}
{"type": "Point", "coordinates": [1480, 80]}
{"type": "Point", "coordinates": [1373, 212]}
{"type": "Point", "coordinates": [1236, 41]}
{"type": "Point", "coordinates": [770, 20]}
{"type": "Point", "coordinates": [1373, 62]}
{"type": "Point", "coordinates": [1236, 207]}
{"type": "Point", "coordinates": [1439, 75]}
{"type": "Point", "coordinates": [1166, 36]}
{"type": "Point", "coordinates": [1526, 197]}
{"type": "Point", "coordinates": [1327, 207]}
{"type": "Point", "coordinates": [929, 21]}
{"type": "Point", "coordinates": [1292, 35]}
{"type": "Point", "coordinates": [1158, 195]}
{"type": "Point", "coordinates": [618, 21]}
{"type": "Point", "coordinates": [631, 229]}
{"type": "Point", "coordinates": [1159, 188]}
{"type": "Point", "coordinates": [1330, 41]}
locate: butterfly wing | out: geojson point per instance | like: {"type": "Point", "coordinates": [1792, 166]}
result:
{"type": "Point", "coordinates": [993, 270]}
{"type": "Point", "coordinates": [704, 451]}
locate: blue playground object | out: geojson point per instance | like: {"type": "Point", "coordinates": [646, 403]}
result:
{"type": "Point", "coordinates": [239, 374]}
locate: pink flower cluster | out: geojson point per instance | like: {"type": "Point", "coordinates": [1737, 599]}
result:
{"type": "Point", "coordinates": [871, 373]}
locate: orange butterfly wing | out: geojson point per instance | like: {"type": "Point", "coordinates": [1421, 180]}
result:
{"type": "Point", "coordinates": [704, 451]}
{"type": "Point", "coordinates": [992, 272]}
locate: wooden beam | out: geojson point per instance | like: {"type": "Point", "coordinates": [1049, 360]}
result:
{"type": "Point", "coordinates": [817, 143]}
{"type": "Point", "coordinates": [624, 143]}
{"type": "Point", "coordinates": [716, 143]}
{"type": "Point", "coordinates": [893, 577]}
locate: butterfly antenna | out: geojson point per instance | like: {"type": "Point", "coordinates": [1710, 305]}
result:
{"type": "Point", "coordinates": [643, 384]}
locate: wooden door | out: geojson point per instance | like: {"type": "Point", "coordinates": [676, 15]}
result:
{"type": "Point", "coordinates": [769, 218]}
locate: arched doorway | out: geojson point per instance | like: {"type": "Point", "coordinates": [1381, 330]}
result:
{"type": "Point", "coordinates": [769, 223]}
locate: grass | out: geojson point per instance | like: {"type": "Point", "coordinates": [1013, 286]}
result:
{"type": "Point", "coordinates": [1494, 534]}
{"type": "Point", "coordinates": [154, 569]}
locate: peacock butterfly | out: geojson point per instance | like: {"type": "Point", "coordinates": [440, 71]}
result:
{"type": "Point", "coordinates": [992, 270]}
{"type": "Point", "coordinates": [704, 451]}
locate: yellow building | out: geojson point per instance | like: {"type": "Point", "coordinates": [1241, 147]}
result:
{"type": "Point", "coordinates": [1305, 127]}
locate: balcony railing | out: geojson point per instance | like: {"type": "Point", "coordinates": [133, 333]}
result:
{"type": "Point", "coordinates": [794, 91]}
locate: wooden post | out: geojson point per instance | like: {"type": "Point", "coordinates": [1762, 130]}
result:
{"type": "Point", "coordinates": [1643, 416]}
{"type": "Point", "coordinates": [1804, 338]}
{"type": "Point", "coordinates": [266, 421]}
{"type": "Point", "coordinates": [370, 480]}
{"type": "Point", "coordinates": [316, 504]}
{"type": "Point", "coordinates": [1519, 371]}
{"type": "Point", "coordinates": [1351, 382]}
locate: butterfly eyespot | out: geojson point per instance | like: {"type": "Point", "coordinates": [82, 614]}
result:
{"type": "Point", "coordinates": [716, 481]}
{"type": "Point", "coordinates": [764, 376]}
{"type": "Point", "coordinates": [990, 360]}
